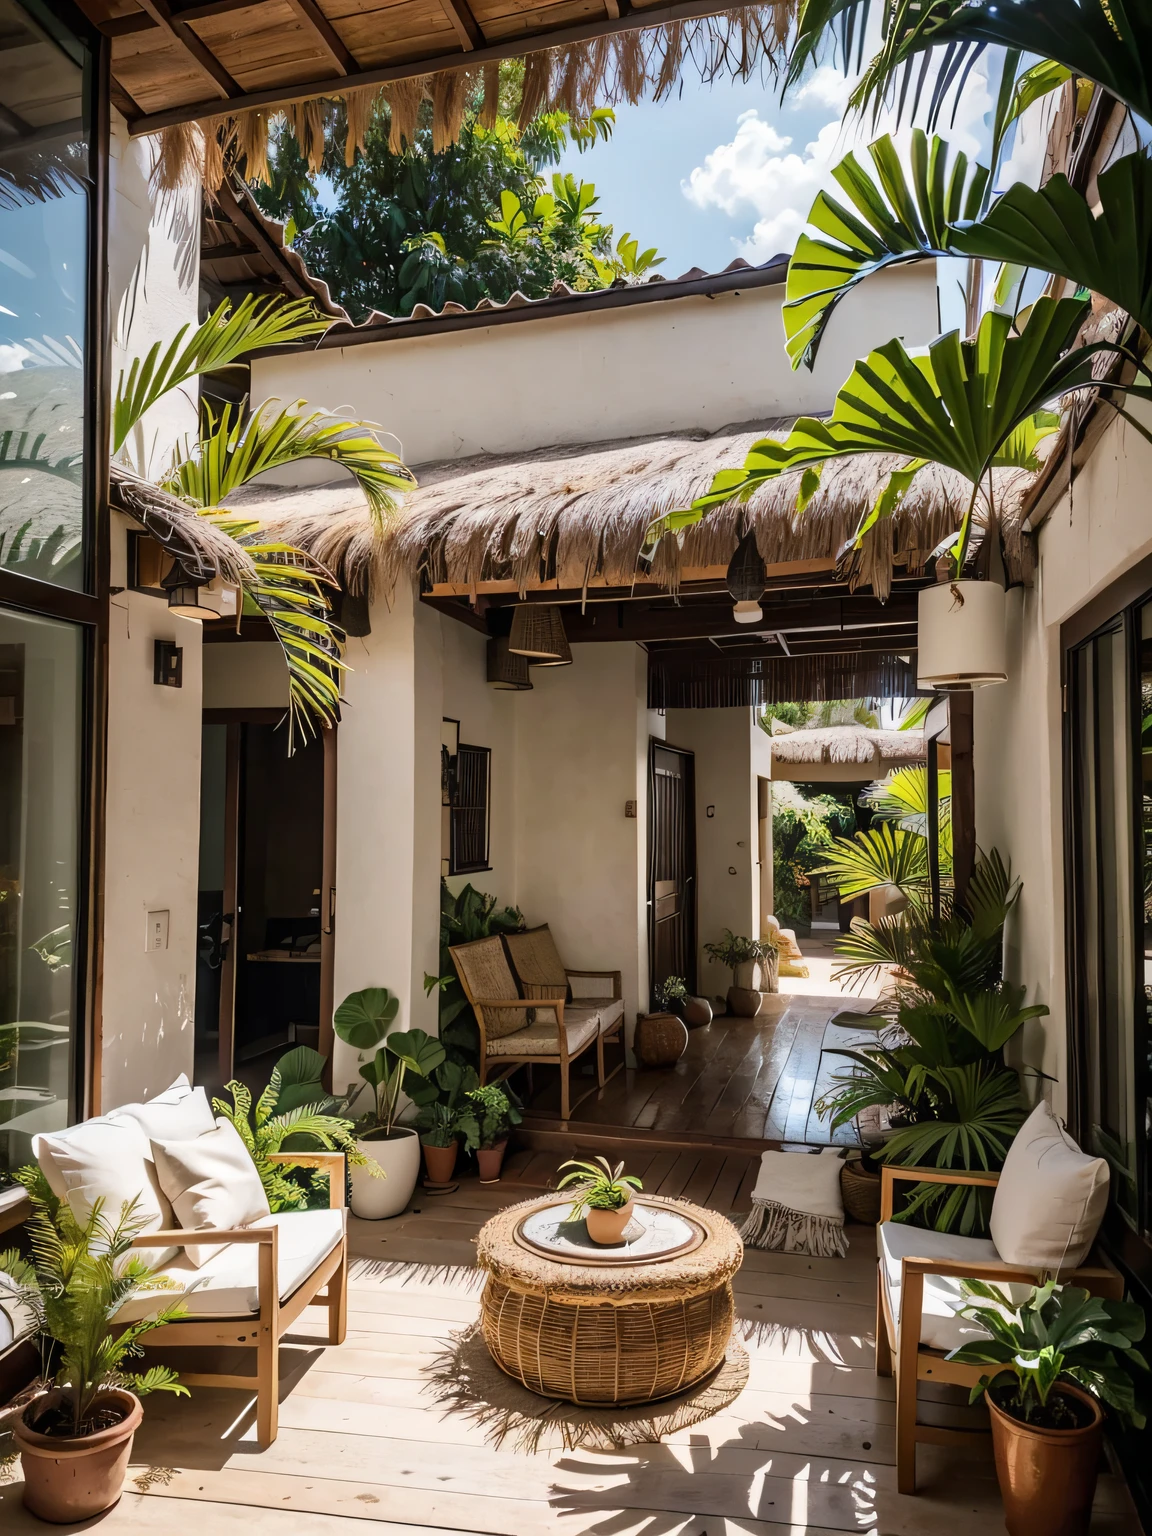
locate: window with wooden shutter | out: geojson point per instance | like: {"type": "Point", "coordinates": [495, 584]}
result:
{"type": "Point", "coordinates": [471, 797]}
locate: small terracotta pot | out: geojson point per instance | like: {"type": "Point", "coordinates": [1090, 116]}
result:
{"type": "Point", "coordinates": [1047, 1476]}
{"type": "Point", "coordinates": [68, 1480]}
{"type": "Point", "coordinates": [440, 1162]}
{"type": "Point", "coordinates": [608, 1226]}
{"type": "Point", "coordinates": [697, 1012]}
{"type": "Point", "coordinates": [489, 1159]}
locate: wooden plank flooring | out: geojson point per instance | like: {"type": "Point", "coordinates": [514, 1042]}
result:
{"type": "Point", "coordinates": [808, 1447]}
{"type": "Point", "coordinates": [749, 1079]}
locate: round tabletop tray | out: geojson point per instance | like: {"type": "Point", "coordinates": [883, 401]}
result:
{"type": "Point", "coordinates": [655, 1233]}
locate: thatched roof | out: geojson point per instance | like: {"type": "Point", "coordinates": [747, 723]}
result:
{"type": "Point", "coordinates": [581, 512]}
{"type": "Point", "coordinates": [198, 544]}
{"type": "Point", "coordinates": [848, 744]}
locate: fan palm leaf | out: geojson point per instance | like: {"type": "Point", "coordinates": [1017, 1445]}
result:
{"type": "Point", "coordinates": [883, 855]}
{"type": "Point", "coordinates": [228, 334]}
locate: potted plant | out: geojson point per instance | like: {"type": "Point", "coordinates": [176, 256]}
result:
{"type": "Point", "coordinates": [1056, 1357]}
{"type": "Point", "coordinates": [362, 1021]}
{"type": "Point", "coordinates": [495, 1114]}
{"type": "Point", "coordinates": [75, 1436]}
{"type": "Point", "coordinates": [602, 1195]}
{"type": "Point", "coordinates": [672, 995]}
{"type": "Point", "coordinates": [445, 1116]}
{"type": "Point", "coordinates": [746, 959]}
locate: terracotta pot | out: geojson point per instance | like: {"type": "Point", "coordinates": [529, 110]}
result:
{"type": "Point", "coordinates": [608, 1226]}
{"type": "Point", "coordinates": [745, 1002]}
{"type": "Point", "coordinates": [67, 1480]}
{"type": "Point", "coordinates": [661, 1039]}
{"type": "Point", "coordinates": [697, 1012]}
{"type": "Point", "coordinates": [440, 1162]}
{"type": "Point", "coordinates": [489, 1159]}
{"type": "Point", "coordinates": [398, 1155]}
{"type": "Point", "coordinates": [1047, 1476]}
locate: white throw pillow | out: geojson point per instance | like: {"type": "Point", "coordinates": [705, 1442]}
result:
{"type": "Point", "coordinates": [180, 1113]}
{"type": "Point", "coordinates": [108, 1158]}
{"type": "Point", "coordinates": [1051, 1197]}
{"type": "Point", "coordinates": [211, 1182]}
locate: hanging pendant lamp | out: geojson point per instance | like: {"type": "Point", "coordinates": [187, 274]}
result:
{"type": "Point", "coordinates": [747, 577]}
{"type": "Point", "coordinates": [538, 634]}
{"type": "Point", "coordinates": [506, 669]}
{"type": "Point", "coordinates": [183, 591]}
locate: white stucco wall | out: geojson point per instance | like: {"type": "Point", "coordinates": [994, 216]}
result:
{"type": "Point", "coordinates": [599, 374]}
{"type": "Point", "coordinates": [1087, 542]}
{"type": "Point", "coordinates": [153, 777]}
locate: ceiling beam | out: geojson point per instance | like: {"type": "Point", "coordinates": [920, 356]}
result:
{"type": "Point", "coordinates": [326, 35]}
{"type": "Point", "coordinates": [200, 54]}
{"type": "Point", "coordinates": [467, 27]}
{"type": "Point", "coordinates": [510, 48]}
{"type": "Point", "coordinates": [633, 621]}
{"type": "Point", "coordinates": [264, 245]}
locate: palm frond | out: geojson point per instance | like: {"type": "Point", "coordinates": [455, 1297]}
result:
{"type": "Point", "coordinates": [883, 855]}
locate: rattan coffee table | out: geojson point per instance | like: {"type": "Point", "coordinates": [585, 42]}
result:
{"type": "Point", "coordinates": [598, 1329]}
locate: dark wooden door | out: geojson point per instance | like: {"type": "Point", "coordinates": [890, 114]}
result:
{"type": "Point", "coordinates": [671, 865]}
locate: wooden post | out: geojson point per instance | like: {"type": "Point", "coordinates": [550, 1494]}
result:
{"type": "Point", "coordinates": [328, 907]}
{"type": "Point", "coordinates": [963, 792]}
{"type": "Point", "coordinates": [230, 938]}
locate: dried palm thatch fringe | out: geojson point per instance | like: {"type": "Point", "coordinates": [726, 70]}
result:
{"type": "Point", "coordinates": [847, 744]}
{"type": "Point", "coordinates": [466, 1380]}
{"type": "Point", "coordinates": [601, 72]}
{"type": "Point", "coordinates": [576, 513]}
{"type": "Point", "coordinates": [777, 1227]}
{"type": "Point", "coordinates": [203, 549]}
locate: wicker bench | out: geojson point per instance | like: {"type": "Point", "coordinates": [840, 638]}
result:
{"type": "Point", "coordinates": [591, 1334]}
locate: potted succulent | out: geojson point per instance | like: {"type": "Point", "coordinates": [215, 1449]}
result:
{"type": "Point", "coordinates": [362, 1021]}
{"type": "Point", "coordinates": [602, 1195]}
{"type": "Point", "coordinates": [75, 1436]}
{"type": "Point", "coordinates": [495, 1114]}
{"type": "Point", "coordinates": [1055, 1358]}
{"type": "Point", "coordinates": [753, 966]}
{"type": "Point", "coordinates": [446, 1117]}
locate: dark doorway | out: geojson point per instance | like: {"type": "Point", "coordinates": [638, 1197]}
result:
{"type": "Point", "coordinates": [261, 873]}
{"type": "Point", "coordinates": [671, 865]}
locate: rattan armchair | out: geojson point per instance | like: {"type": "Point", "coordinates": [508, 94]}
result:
{"type": "Point", "coordinates": [540, 971]}
{"type": "Point", "coordinates": [900, 1348]}
{"type": "Point", "coordinates": [520, 1031]}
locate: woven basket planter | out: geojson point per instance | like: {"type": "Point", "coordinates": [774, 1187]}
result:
{"type": "Point", "coordinates": [661, 1039]}
{"type": "Point", "coordinates": [595, 1335]}
{"type": "Point", "coordinates": [861, 1193]}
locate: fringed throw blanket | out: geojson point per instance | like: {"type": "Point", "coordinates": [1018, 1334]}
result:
{"type": "Point", "coordinates": [796, 1205]}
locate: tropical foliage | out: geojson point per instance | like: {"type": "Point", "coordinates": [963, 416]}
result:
{"type": "Point", "coordinates": [497, 1110]}
{"type": "Point", "coordinates": [265, 1128]}
{"type": "Point", "coordinates": [804, 829]}
{"type": "Point", "coordinates": [362, 1021]}
{"type": "Point", "coordinates": [469, 915]}
{"type": "Point", "coordinates": [597, 1186]}
{"type": "Point", "coordinates": [77, 1278]}
{"type": "Point", "coordinates": [430, 225]}
{"type": "Point", "coordinates": [1059, 1333]}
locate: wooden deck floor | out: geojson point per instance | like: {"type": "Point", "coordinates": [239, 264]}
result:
{"type": "Point", "coordinates": [751, 1079]}
{"type": "Point", "coordinates": [808, 1447]}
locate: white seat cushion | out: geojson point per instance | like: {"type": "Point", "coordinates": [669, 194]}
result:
{"type": "Point", "coordinates": [582, 1025]}
{"type": "Point", "coordinates": [211, 1181]}
{"type": "Point", "coordinates": [1050, 1199]}
{"type": "Point", "coordinates": [940, 1327]}
{"type": "Point", "coordinates": [227, 1285]}
{"type": "Point", "coordinates": [611, 1011]}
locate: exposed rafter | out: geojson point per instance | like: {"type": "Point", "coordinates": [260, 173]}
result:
{"type": "Point", "coordinates": [201, 55]}
{"type": "Point", "coordinates": [467, 27]}
{"type": "Point", "coordinates": [326, 35]}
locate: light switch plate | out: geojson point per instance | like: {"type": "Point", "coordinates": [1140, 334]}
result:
{"type": "Point", "coordinates": [157, 937]}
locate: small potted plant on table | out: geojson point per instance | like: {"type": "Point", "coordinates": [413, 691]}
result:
{"type": "Point", "coordinates": [602, 1195]}
{"type": "Point", "coordinates": [1056, 1357]}
{"type": "Point", "coordinates": [75, 1437]}
{"type": "Point", "coordinates": [362, 1021]}
{"type": "Point", "coordinates": [495, 1114]}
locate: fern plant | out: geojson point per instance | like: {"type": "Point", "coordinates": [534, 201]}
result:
{"type": "Point", "coordinates": [265, 1129]}
{"type": "Point", "coordinates": [79, 1276]}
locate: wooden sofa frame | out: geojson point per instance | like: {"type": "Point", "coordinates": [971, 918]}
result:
{"type": "Point", "coordinates": [327, 1285]}
{"type": "Point", "coordinates": [899, 1350]}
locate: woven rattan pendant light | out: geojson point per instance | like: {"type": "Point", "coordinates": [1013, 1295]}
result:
{"type": "Point", "coordinates": [506, 669]}
{"type": "Point", "coordinates": [747, 578]}
{"type": "Point", "coordinates": [538, 634]}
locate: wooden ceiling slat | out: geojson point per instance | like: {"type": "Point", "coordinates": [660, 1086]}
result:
{"type": "Point", "coordinates": [208, 63]}
{"type": "Point", "coordinates": [309, 12]}
{"type": "Point", "coordinates": [542, 26]}
{"type": "Point", "coordinates": [467, 27]}
{"type": "Point", "coordinates": [208, 8]}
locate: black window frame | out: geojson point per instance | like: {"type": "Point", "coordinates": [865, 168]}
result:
{"type": "Point", "coordinates": [466, 804]}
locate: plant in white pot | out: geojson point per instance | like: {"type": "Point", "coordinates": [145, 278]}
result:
{"type": "Point", "coordinates": [1054, 1359]}
{"type": "Point", "coordinates": [752, 963]}
{"type": "Point", "coordinates": [362, 1021]}
{"type": "Point", "coordinates": [75, 1436]}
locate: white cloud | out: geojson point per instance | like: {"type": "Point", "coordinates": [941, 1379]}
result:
{"type": "Point", "coordinates": [12, 356]}
{"type": "Point", "coordinates": [827, 86]}
{"type": "Point", "coordinates": [759, 173]}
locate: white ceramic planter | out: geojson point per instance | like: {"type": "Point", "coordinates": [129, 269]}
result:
{"type": "Point", "coordinates": [747, 975]}
{"type": "Point", "coordinates": [962, 641]}
{"type": "Point", "coordinates": [375, 1198]}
